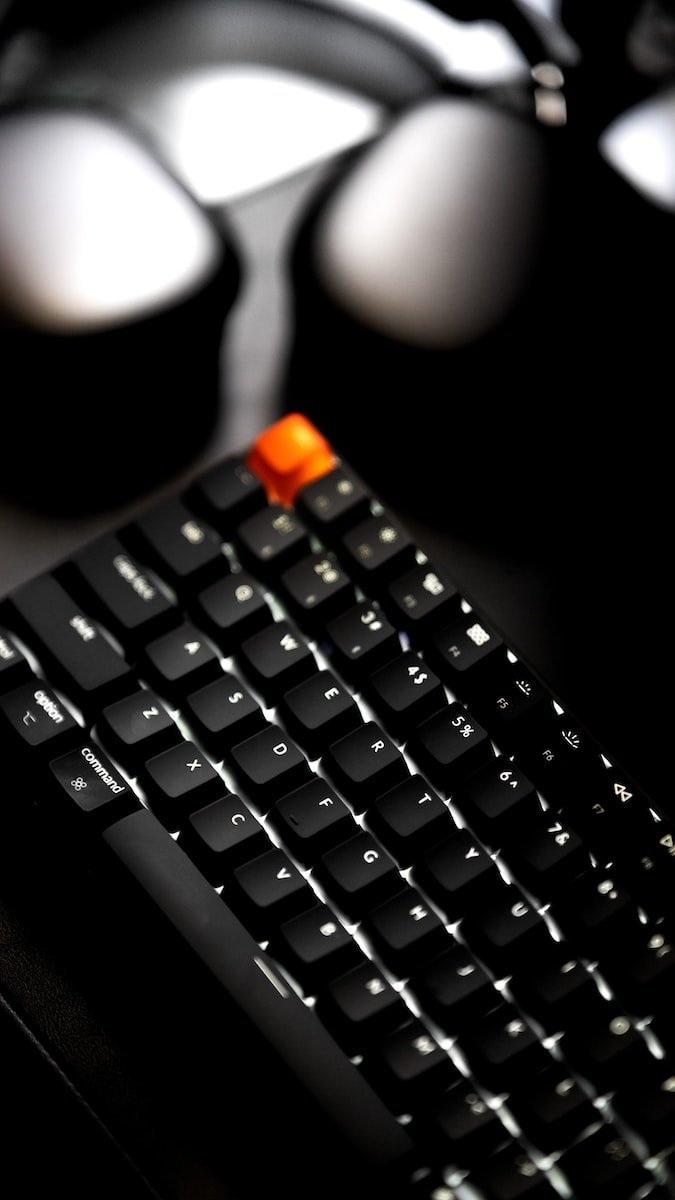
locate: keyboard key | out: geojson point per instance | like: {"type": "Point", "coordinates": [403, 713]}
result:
{"type": "Point", "coordinates": [223, 713]}
{"type": "Point", "coordinates": [648, 1106]}
{"type": "Point", "coordinates": [546, 856]}
{"type": "Point", "coordinates": [644, 979]}
{"type": "Point", "coordinates": [227, 494]}
{"type": "Point", "coordinates": [178, 781]}
{"type": "Point", "coordinates": [222, 836]}
{"type": "Point", "coordinates": [513, 706]}
{"type": "Point", "coordinates": [315, 590]}
{"type": "Point", "coordinates": [498, 802]}
{"type": "Point", "coordinates": [289, 454]}
{"type": "Point", "coordinates": [376, 550]}
{"type": "Point", "coordinates": [319, 711]}
{"type": "Point", "coordinates": [503, 1050]}
{"type": "Point", "coordinates": [232, 610]}
{"type": "Point", "coordinates": [364, 764]}
{"type": "Point", "coordinates": [137, 728]}
{"type": "Point", "coordinates": [14, 666]}
{"type": "Point", "coordinates": [410, 819]}
{"type": "Point", "coordinates": [458, 876]}
{"type": "Point", "coordinates": [406, 933]}
{"type": "Point", "coordinates": [333, 503]}
{"type": "Point", "coordinates": [268, 891]}
{"type": "Point", "coordinates": [70, 646]}
{"type": "Point", "coordinates": [268, 766]}
{"type": "Point", "coordinates": [557, 991]}
{"type": "Point", "coordinates": [272, 540]}
{"type": "Point", "coordinates": [315, 948]}
{"type": "Point", "coordinates": [552, 1109]}
{"type": "Point", "coordinates": [420, 601]}
{"type": "Point", "coordinates": [455, 991]}
{"type": "Point", "coordinates": [275, 660]}
{"type": "Point", "coordinates": [184, 551]}
{"type": "Point", "coordinates": [465, 1128]}
{"type": "Point", "coordinates": [507, 933]}
{"type": "Point", "coordinates": [124, 594]}
{"type": "Point", "coordinates": [179, 662]}
{"type": "Point", "coordinates": [562, 760]}
{"type": "Point", "coordinates": [405, 693]}
{"type": "Point", "coordinates": [361, 1007]}
{"type": "Point", "coordinates": [603, 1166]}
{"type": "Point", "coordinates": [449, 746]}
{"type": "Point", "coordinates": [409, 1067]}
{"type": "Point", "coordinates": [38, 721]}
{"type": "Point", "coordinates": [358, 875]}
{"type": "Point", "coordinates": [465, 653]}
{"type": "Point", "coordinates": [511, 1174]}
{"type": "Point", "coordinates": [598, 916]}
{"type": "Point", "coordinates": [88, 785]}
{"type": "Point", "coordinates": [608, 1051]}
{"type": "Point", "coordinates": [311, 821]}
{"type": "Point", "coordinates": [361, 640]}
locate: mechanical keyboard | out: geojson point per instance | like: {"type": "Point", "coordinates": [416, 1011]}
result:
{"type": "Point", "coordinates": [404, 882]}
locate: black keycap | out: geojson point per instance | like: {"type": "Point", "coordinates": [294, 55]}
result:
{"type": "Point", "coordinates": [361, 640]}
{"type": "Point", "coordinates": [405, 693]}
{"type": "Point", "coordinates": [268, 891]}
{"type": "Point", "coordinates": [311, 821]}
{"type": "Point", "coordinates": [603, 1167]}
{"type": "Point", "coordinates": [70, 646]}
{"type": "Point", "coordinates": [227, 494]}
{"type": "Point", "coordinates": [409, 1067]}
{"type": "Point", "coordinates": [512, 706]}
{"type": "Point", "coordinates": [644, 979]}
{"type": "Point", "coordinates": [271, 540]}
{"type": "Point", "coordinates": [184, 550]}
{"type": "Point", "coordinates": [318, 712]}
{"type": "Point", "coordinates": [498, 802]}
{"type": "Point", "coordinates": [90, 786]}
{"type": "Point", "coordinates": [410, 819]}
{"type": "Point", "coordinates": [406, 933]}
{"type": "Point", "coordinates": [598, 916]}
{"type": "Point", "coordinates": [608, 1051]}
{"type": "Point", "coordinates": [449, 746]}
{"type": "Point", "coordinates": [376, 550]}
{"type": "Point", "coordinates": [124, 594]}
{"type": "Point", "coordinates": [276, 659]}
{"type": "Point", "coordinates": [617, 822]}
{"type": "Point", "coordinates": [137, 728]}
{"type": "Point", "coordinates": [464, 1126]}
{"type": "Point", "coordinates": [332, 503]}
{"type": "Point", "coordinates": [14, 666]}
{"type": "Point", "coordinates": [648, 1107]}
{"type": "Point", "coordinates": [316, 589]}
{"type": "Point", "coordinates": [420, 601]}
{"type": "Point", "coordinates": [558, 992]}
{"type": "Point", "coordinates": [504, 1052]}
{"type": "Point", "coordinates": [222, 836]}
{"type": "Point", "coordinates": [358, 875]}
{"type": "Point", "coordinates": [546, 856]}
{"type": "Point", "coordinates": [511, 1174]}
{"type": "Point", "coordinates": [364, 764]}
{"type": "Point", "coordinates": [38, 721]}
{"type": "Point", "coordinates": [179, 662]}
{"type": "Point", "coordinates": [268, 766]}
{"type": "Point", "coordinates": [455, 991]}
{"type": "Point", "coordinates": [561, 760]}
{"type": "Point", "coordinates": [508, 933]}
{"type": "Point", "coordinates": [178, 781]}
{"type": "Point", "coordinates": [315, 948]}
{"type": "Point", "coordinates": [458, 876]}
{"type": "Point", "coordinates": [552, 1109]}
{"type": "Point", "coordinates": [232, 610]}
{"type": "Point", "coordinates": [465, 653]}
{"type": "Point", "coordinates": [223, 713]}
{"type": "Point", "coordinates": [361, 1007]}
{"type": "Point", "coordinates": [646, 862]}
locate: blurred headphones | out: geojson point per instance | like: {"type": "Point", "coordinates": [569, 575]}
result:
{"type": "Point", "coordinates": [425, 270]}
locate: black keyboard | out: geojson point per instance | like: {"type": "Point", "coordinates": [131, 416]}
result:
{"type": "Point", "coordinates": [428, 920]}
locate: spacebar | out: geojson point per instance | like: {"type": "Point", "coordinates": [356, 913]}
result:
{"type": "Point", "coordinates": [254, 984]}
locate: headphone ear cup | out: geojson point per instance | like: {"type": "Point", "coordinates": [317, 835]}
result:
{"type": "Point", "coordinates": [414, 282]}
{"type": "Point", "coordinates": [113, 292]}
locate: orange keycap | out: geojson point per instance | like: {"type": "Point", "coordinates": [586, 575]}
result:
{"type": "Point", "coordinates": [288, 455]}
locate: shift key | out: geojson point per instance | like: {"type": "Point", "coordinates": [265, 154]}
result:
{"type": "Point", "coordinates": [69, 644]}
